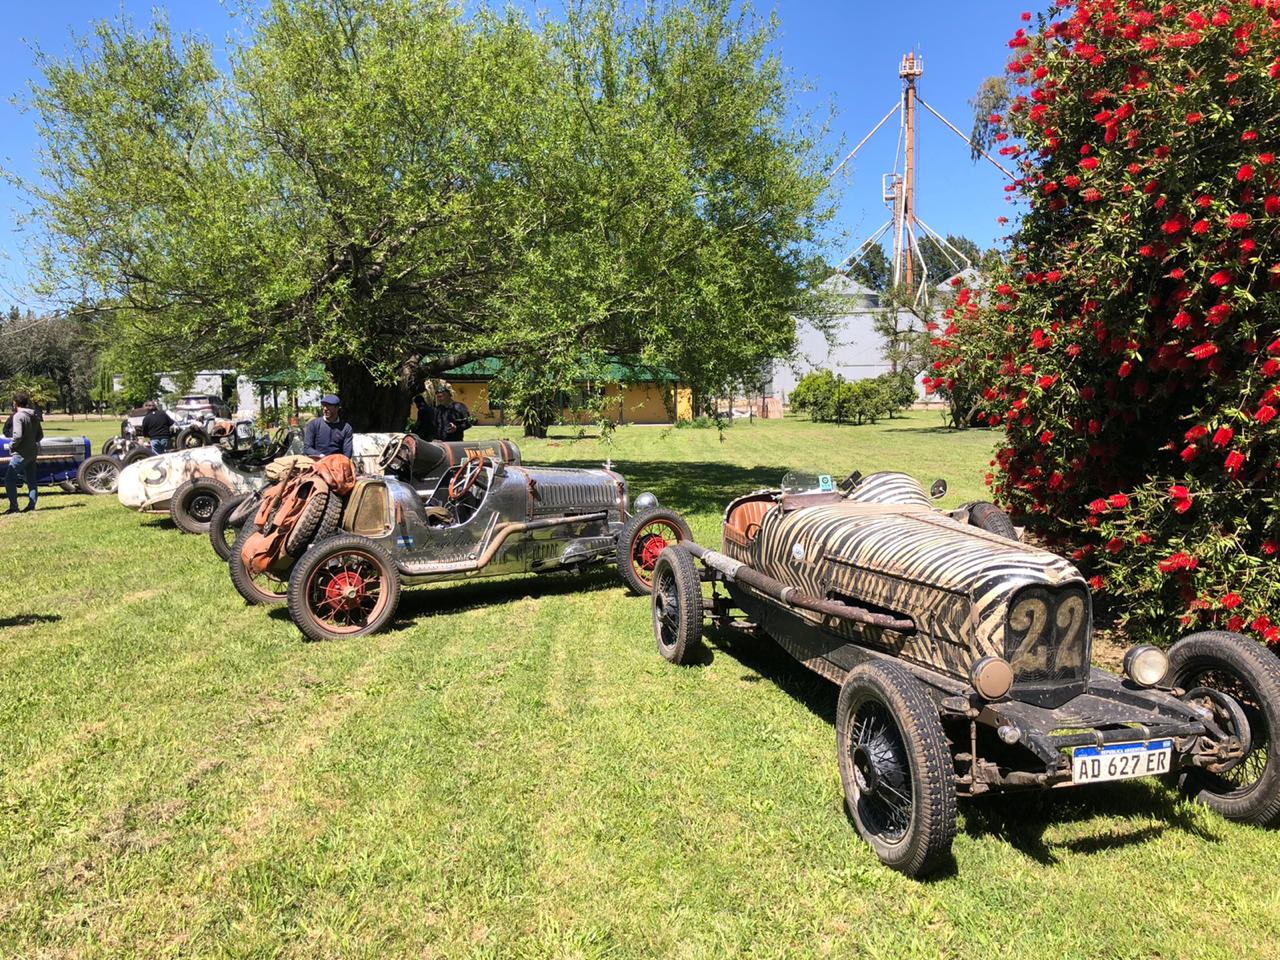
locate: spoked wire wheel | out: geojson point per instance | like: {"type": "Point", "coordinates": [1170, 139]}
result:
{"type": "Point", "coordinates": [677, 605]}
{"type": "Point", "coordinates": [896, 767]}
{"type": "Point", "coordinates": [642, 540]}
{"type": "Point", "coordinates": [1239, 681]}
{"type": "Point", "coordinates": [343, 587]}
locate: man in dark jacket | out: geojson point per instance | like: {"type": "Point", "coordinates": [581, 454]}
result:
{"type": "Point", "coordinates": [25, 431]}
{"type": "Point", "coordinates": [157, 426]}
{"type": "Point", "coordinates": [452, 417]}
{"type": "Point", "coordinates": [328, 433]}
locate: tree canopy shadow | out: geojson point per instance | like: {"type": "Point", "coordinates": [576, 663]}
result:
{"type": "Point", "coordinates": [26, 619]}
{"type": "Point", "coordinates": [689, 486]}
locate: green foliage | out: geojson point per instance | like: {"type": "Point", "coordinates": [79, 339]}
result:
{"type": "Point", "coordinates": [872, 269]}
{"type": "Point", "coordinates": [397, 188]}
{"type": "Point", "coordinates": [59, 353]}
{"type": "Point", "coordinates": [830, 398]}
{"type": "Point", "coordinates": [1132, 348]}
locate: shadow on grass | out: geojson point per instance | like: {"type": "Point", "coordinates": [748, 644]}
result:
{"type": "Point", "coordinates": [1020, 819]}
{"type": "Point", "coordinates": [153, 522]}
{"type": "Point", "coordinates": [689, 486]}
{"type": "Point", "coordinates": [26, 619]}
{"type": "Point", "coordinates": [419, 602]}
{"type": "Point", "coordinates": [41, 507]}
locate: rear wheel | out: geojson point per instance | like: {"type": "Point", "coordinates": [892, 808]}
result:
{"type": "Point", "coordinates": [189, 437]}
{"type": "Point", "coordinates": [346, 586]}
{"type": "Point", "coordinates": [266, 589]}
{"type": "Point", "coordinates": [222, 529]}
{"type": "Point", "coordinates": [194, 503]}
{"type": "Point", "coordinates": [136, 454]}
{"type": "Point", "coordinates": [112, 446]}
{"type": "Point", "coordinates": [640, 543]}
{"type": "Point", "coordinates": [895, 767]}
{"type": "Point", "coordinates": [99, 475]}
{"type": "Point", "coordinates": [677, 605]}
{"type": "Point", "coordinates": [1209, 665]}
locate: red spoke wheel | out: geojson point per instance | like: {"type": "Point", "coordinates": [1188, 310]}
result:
{"type": "Point", "coordinates": [640, 543]}
{"type": "Point", "coordinates": [344, 587]}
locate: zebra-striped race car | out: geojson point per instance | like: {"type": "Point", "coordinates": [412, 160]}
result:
{"type": "Point", "coordinates": [963, 659]}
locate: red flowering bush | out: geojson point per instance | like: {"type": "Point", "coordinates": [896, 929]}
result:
{"type": "Point", "coordinates": [1132, 353]}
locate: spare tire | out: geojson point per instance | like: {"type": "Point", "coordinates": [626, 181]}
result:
{"type": "Point", "coordinates": [989, 517]}
{"type": "Point", "coordinates": [194, 503]}
{"type": "Point", "coordinates": [192, 436]}
{"type": "Point", "coordinates": [308, 523]}
{"type": "Point", "coordinates": [99, 475]}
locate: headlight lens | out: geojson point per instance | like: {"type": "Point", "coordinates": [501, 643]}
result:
{"type": "Point", "coordinates": [1145, 665]}
{"type": "Point", "coordinates": [992, 677]}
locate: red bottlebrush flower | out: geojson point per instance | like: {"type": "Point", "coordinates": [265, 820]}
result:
{"type": "Point", "coordinates": [1271, 205]}
{"type": "Point", "coordinates": [1233, 463]}
{"type": "Point", "coordinates": [1144, 538]}
{"type": "Point", "coordinates": [1200, 227]}
{"type": "Point", "coordinates": [1181, 320]}
{"type": "Point", "coordinates": [1178, 561]}
{"type": "Point", "coordinates": [1245, 173]}
{"type": "Point", "coordinates": [1204, 200]}
{"type": "Point", "coordinates": [1203, 351]}
{"type": "Point", "coordinates": [1125, 369]}
{"type": "Point", "coordinates": [1118, 500]}
{"type": "Point", "coordinates": [1222, 436]}
{"type": "Point", "coordinates": [1231, 600]}
{"type": "Point", "coordinates": [1114, 545]}
{"type": "Point", "coordinates": [1271, 367]}
{"type": "Point", "coordinates": [1189, 453]}
{"type": "Point", "coordinates": [1073, 350]}
{"type": "Point", "coordinates": [1046, 437]}
{"type": "Point", "coordinates": [1096, 582]}
{"type": "Point", "coordinates": [1217, 313]}
{"type": "Point", "coordinates": [1047, 381]}
{"type": "Point", "coordinates": [1195, 433]}
{"type": "Point", "coordinates": [1265, 414]}
{"type": "Point", "coordinates": [1269, 547]}
{"type": "Point", "coordinates": [1238, 221]}
{"type": "Point", "coordinates": [1194, 117]}
{"type": "Point", "coordinates": [1179, 492]}
{"type": "Point", "coordinates": [1091, 195]}
{"type": "Point", "coordinates": [1266, 159]}
{"type": "Point", "coordinates": [1221, 278]}
{"type": "Point", "coordinates": [1182, 506]}
{"type": "Point", "coordinates": [1089, 163]}
{"type": "Point", "coordinates": [1071, 181]}
{"type": "Point", "coordinates": [1098, 506]}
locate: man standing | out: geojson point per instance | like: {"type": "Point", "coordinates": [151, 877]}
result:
{"type": "Point", "coordinates": [26, 432]}
{"type": "Point", "coordinates": [452, 417]}
{"type": "Point", "coordinates": [328, 433]}
{"type": "Point", "coordinates": [157, 426]}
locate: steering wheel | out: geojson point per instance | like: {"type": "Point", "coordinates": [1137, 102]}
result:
{"type": "Point", "coordinates": [464, 477]}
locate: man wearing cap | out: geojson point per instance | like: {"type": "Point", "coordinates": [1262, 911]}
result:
{"type": "Point", "coordinates": [328, 433]}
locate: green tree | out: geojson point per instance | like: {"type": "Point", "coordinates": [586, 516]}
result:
{"type": "Point", "coordinates": [942, 261]}
{"type": "Point", "coordinates": [872, 269]}
{"type": "Point", "coordinates": [396, 188]}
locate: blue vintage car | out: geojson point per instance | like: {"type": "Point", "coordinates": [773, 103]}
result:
{"type": "Point", "coordinates": [59, 459]}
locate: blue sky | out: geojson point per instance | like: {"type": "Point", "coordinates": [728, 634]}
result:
{"type": "Point", "coordinates": [848, 52]}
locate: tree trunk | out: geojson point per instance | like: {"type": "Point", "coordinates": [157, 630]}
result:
{"type": "Point", "coordinates": [370, 406]}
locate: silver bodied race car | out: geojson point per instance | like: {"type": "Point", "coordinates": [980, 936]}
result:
{"type": "Point", "coordinates": [435, 516]}
{"type": "Point", "coordinates": [963, 659]}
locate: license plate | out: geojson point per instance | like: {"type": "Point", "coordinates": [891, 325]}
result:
{"type": "Point", "coordinates": [1121, 761]}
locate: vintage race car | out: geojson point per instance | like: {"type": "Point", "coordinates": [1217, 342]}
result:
{"type": "Point", "coordinates": [433, 517]}
{"type": "Point", "coordinates": [963, 659]}
{"type": "Point", "coordinates": [190, 484]}
{"type": "Point", "coordinates": [57, 459]}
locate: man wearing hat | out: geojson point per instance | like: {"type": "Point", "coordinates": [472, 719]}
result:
{"type": "Point", "coordinates": [328, 433]}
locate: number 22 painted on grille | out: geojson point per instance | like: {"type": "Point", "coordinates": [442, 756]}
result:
{"type": "Point", "coordinates": [1031, 617]}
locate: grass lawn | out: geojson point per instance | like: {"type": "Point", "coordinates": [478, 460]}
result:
{"type": "Point", "coordinates": [512, 771]}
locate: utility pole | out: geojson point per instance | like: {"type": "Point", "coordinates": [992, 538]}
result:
{"type": "Point", "coordinates": [912, 69]}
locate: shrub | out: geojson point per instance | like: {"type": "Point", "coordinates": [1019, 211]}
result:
{"type": "Point", "coordinates": [1132, 351]}
{"type": "Point", "coordinates": [830, 398]}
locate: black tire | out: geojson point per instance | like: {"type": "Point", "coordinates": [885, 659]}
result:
{"type": "Point", "coordinates": [112, 446]}
{"type": "Point", "coordinates": [989, 517]}
{"type": "Point", "coordinates": [896, 768]}
{"type": "Point", "coordinates": [308, 522]}
{"type": "Point", "coordinates": [1242, 669]}
{"type": "Point", "coordinates": [195, 502]}
{"type": "Point", "coordinates": [69, 486]}
{"type": "Point", "coordinates": [222, 530]}
{"type": "Point", "coordinates": [331, 522]}
{"type": "Point", "coordinates": [99, 476]}
{"type": "Point", "coordinates": [641, 541]}
{"type": "Point", "coordinates": [136, 454]}
{"type": "Point", "coordinates": [345, 587]}
{"type": "Point", "coordinates": [677, 605]}
{"type": "Point", "coordinates": [190, 437]}
{"type": "Point", "coordinates": [263, 589]}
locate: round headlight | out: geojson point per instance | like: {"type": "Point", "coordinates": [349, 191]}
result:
{"type": "Point", "coordinates": [991, 677]}
{"type": "Point", "coordinates": [1145, 665]}
{"type": "Point", "coordinates": [646, 501]}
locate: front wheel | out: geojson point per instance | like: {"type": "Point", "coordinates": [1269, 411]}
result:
{"type": "Point", "coordinates": [191, 437]}
{"type": "Point", "coordinates": [896, 768]}
{"type": "Point", "coordinates": [136, 454]}
{"type": "Point", "coordinates": [989, 517]}
{"type": "Point", "coordinates": [223, 528]}
{"type": "Point", "coordinates": [1230, 664]}
{"type": "Point", "coordinates": [99, 475]}
{"type": "Point", "coordinates": [640, 543]}
{"type": "Point", "coordinates": [677, 605]}
{"type": "Point", "coordinates": [346, 586]}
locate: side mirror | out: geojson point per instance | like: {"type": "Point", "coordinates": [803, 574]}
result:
{"type": "Point", "coordinates": [938, 490]}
